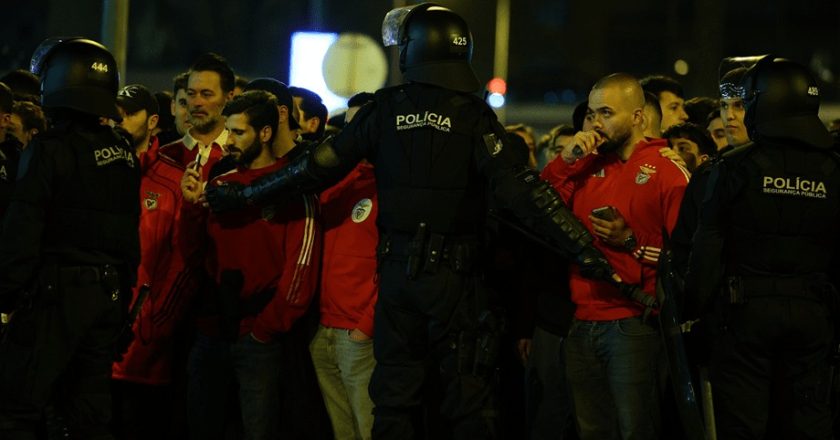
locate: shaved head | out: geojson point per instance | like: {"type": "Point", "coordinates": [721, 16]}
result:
{"type": "Point", "coordinates": [616, 103]}
{"type": "Point", "coordinates": [630, 90]}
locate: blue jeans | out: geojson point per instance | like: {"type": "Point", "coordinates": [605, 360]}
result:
{"type": "Point", "coordinates": [344, 367]}
{"type": "Point", "coordinates": [214, 364]}
{"type": "Point", "coordinates": [612, 370]}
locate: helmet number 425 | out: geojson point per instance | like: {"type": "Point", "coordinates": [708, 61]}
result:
{"type": "Point", "coordinates": [459, 40]}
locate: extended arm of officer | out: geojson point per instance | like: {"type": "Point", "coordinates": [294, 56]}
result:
{"type": "Point", "coordinates": [315, 170]}
{"type": "Point", "coordinates": [538, 205]}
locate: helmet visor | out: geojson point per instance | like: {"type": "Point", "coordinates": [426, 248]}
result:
{"type": "Point", "coordinates": [392, 25]}
{"type": "Point", "coordinates": [36, 63]}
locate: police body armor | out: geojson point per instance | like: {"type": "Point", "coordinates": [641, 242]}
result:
{"type": "Point", "coordinates": [426, 169]}
{"type": "Point", "coordinates": [91, 219]}
{"type": "Point", "coordinates": [791, 238]}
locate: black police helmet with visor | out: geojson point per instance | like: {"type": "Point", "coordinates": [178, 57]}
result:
{"type": "Point", "coordinates": [782, 102]}
{"type": "Point", "coordinates": [78, 74]}
{"type": "Point", "coordinates": [435, 46]}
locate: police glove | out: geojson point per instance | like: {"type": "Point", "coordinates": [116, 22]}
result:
{"type": "Point", "coordinates": [226, 197]}
{"type": "Point", "coordinates": [594, 265]}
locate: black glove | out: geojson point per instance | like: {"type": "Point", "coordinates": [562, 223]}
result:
{"type": "Point", "coordinates": [594, 265]}
{"type": "Point", "coordinates": [226, 197]}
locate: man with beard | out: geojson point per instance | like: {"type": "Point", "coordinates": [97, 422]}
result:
{"type": "Point", "coordinates": [627, 193]}
{"type": "Point", "coordinates": [263, 260]}
{"type": "Point", "coordinates": [140, 114]}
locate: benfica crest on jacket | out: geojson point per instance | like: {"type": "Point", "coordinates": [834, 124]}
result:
{"type": "Point", "coordinates": [151, 200]}
{"type": "Point", "coordinates": [645, 171]}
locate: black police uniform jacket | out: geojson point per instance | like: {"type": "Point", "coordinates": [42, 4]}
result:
{"type": "Point", "coordinates": [76, 202]}
{"type": "Point", "coordinates": [771, 210]}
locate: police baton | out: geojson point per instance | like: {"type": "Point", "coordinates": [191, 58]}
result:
{"type": "Point", "coordinates": [142, 294]}
{"type": "Point", "coordinates": [708, 404]}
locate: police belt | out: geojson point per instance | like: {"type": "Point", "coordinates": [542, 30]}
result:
{"type": "Point", "coordinates": [83, 275]}
{"type": "Point", "coordinates": [814, 287]}
{"type": "Point", "coordinates": [426, 252]}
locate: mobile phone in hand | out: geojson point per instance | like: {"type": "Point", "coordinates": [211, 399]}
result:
{"type": "Point", "coordinates": [604, 213]}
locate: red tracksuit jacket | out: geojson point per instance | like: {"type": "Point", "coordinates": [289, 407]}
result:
{"type": "Point", "coordinates": [172, 279]}
{"type": "Point", "coordinates": [348, 279]}
{"type": "Point", "coordinates": [275, 247]}
{"type": "Point", "coordinates": [647, 190]}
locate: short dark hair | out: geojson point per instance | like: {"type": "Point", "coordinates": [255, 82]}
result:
{"type": "Point", "coordinates": [6, 98]}
{"type": "Point", "coordinates": [521, 128]}
{"type": "Point", "coordinates": [260, 107]}
{"type": "Point", "coordinates": [166, 120]}
{"type": "Point", "coordinates": [562, 130]}
{"type": "Point", "coordinates": [714, 114]}
{"type": "Point", "coordinates": [22, 82]}
{"type": "Point", "coordinates": [31, 115]}
{"type": "Point", "coordinates": [652, 101]}
{"type": "Point", "coordinates": [699, 107]}
{"type": "Point", "coordinates": [657, 84]}
{"type": "Point", "coordinates": [360, 99]}
{"type": "Point", "coordinates": [694, 133]}
{"type": "Point", "coordinates": [240, 82]}
{"type": "Point", "coordinates": [179, 82]}
{"type": "Point", "coordinates": [311, 105]}
{"type": "Point", "coordinates": [214, 62]}
{"type": "Point", "coordinates": [579, 115]}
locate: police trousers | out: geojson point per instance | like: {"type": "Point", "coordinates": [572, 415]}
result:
{"type": "Point", "coordinates": [425, 332]}
{"type": "Point", "coordinates": [771, 355]}
{"type": "Point", "coordinates": [57, 353]}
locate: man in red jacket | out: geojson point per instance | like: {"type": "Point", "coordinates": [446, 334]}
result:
{"type": "Point", "coordinates": [263, 261]}
{"type": "Point", "coordinates": [627, 193]}
{"type": "Point", "coordinates": [143, 385]}
{"type": "Point", "coordinates": [342, 349]}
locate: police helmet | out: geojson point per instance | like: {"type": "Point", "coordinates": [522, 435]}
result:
{"type": "Point", "coordinates": [77, 73]}
{"type": "Point", "coordinates": [782, 101]}
{"type": "Point", "coordinates": [435, 46]}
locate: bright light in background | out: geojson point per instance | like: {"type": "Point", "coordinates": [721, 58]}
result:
{"type": "Point", "coordinates": [497, 85]}
{"type": "Point", "coordinates": [681, 67]}
{"type": "Point", "coordinates": [496, 100]}
{"type": "Point", "coordinates": [308, 49]}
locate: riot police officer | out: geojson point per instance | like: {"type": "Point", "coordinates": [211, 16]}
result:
{"type": "Point", "coordinates": [763, 258]}
{"type": "Point", "coordinates": [69, 251]}
{"type": "Point", "coordinates": [436, 151]}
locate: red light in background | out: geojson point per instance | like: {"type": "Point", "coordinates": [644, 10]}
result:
{"type": "Point", "coordinates": [497, 85]}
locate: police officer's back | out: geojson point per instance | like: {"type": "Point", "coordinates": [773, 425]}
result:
{"type": "Point", "coordinates": [69, 251]}
{"type": "Point", "coordinates": [764, 252]}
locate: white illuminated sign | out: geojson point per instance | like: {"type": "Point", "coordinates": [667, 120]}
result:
{"type": "Point", "coordinates": [308, 49]}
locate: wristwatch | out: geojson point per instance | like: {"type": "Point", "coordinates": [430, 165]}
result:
{"type": "Point", "coordinates": [630, 243]}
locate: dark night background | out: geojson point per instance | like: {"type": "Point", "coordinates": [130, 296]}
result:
{"type": "Point", "coordinates": [558, 48]}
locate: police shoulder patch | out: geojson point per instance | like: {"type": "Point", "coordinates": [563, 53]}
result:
{"type": "Point", "coordinates": [493, 143]}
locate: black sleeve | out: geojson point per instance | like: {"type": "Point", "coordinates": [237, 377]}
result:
{"type": "Point", "coordinates": [520, 190]}
{"type": "Point", "coordinates": [23, 226]}
{"type": "Point", "coordinates": [683, 233]}
{"type": "Point", "coordinates": [332, 159]}
{"type": "Point", "coordinates": [325, 164]}
{"type": "Point", "coordinates": [706, 262]}
{"type": "Point", "coordinates": [535, 202]}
